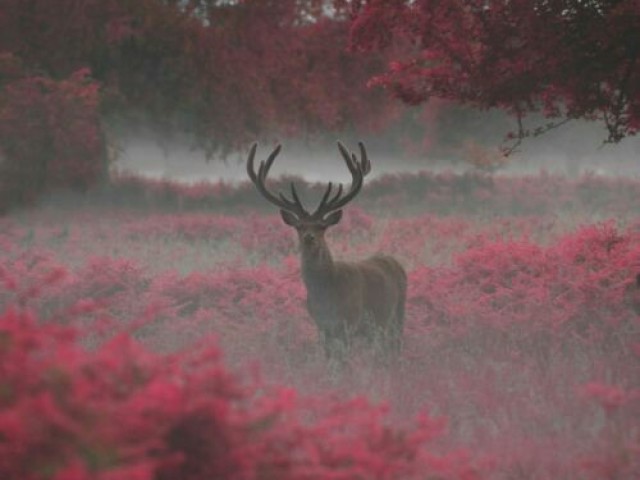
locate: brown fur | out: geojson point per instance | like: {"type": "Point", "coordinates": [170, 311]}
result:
{"type": "Point", "coordinates": [353, 301]}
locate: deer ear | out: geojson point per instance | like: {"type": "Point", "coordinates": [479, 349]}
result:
{"type": "Point", "coordinates": [289, 218]}
{"type": "Point", "coordinates": [332, 218]}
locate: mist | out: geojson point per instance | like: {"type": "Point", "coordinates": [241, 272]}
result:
{"type": "Point", "coordinates": [572, 150]}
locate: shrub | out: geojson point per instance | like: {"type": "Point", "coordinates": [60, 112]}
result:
{"type": "Point", "coordinates": [120, 412]}
{"type": "Point", "coordinates": [49, 135]}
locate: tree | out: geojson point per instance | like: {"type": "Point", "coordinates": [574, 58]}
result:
{"type": "Point", "coordinates": [226, 72]}
{"type": "Point", "coordinates": [564, 59]}
{"type": "Point", "coordinates": [50, 133]}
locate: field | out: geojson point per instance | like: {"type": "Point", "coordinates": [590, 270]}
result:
{"type": "Point", "coordinates": [521, 357]}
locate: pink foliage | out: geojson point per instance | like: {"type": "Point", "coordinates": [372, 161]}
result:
{"type": "Point", "coordinates": [50, 135]}
{"type": "Point", "coordinates": [120, 412]}
{"type": "Point", "coordinates": [566, 60]}
{"type": "Point", "coordinates": [519, 331]}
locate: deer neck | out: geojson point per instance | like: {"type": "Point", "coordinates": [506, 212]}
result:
{"type": "Point", "coordinates": [317, 267]}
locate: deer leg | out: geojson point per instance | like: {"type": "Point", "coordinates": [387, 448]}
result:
{"type": "Point", "coordinates": [336, 345]}
{"type": "Point", "coordinates": [394, 340]}
{"type": "Point", "coordinates": [389, 338]}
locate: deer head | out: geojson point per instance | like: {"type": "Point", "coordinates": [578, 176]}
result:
{"type": "Point", "coordinates": [311, 226]}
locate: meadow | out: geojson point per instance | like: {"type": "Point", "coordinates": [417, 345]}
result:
{"type": "Point", "coordinates": [156, 330]}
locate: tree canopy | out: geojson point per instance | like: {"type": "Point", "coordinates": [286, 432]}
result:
{"type": "Point", "coordinates": [229, 72]}
{"type": "Point", "coordinates": [566, 59]}
{"type": "Point", "coordinates": [226, 72]}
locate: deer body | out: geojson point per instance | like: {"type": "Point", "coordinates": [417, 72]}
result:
{"type": "Point", "coordinates": [348, 301]}
{"type": "Point", "coordinates": [372, 310]}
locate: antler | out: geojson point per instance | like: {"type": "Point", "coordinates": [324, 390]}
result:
{"type": "Point", "coordinates": [294, 206]}
{"type": "Point", "coordinates": [358, 169]}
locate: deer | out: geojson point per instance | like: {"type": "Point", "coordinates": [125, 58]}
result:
{"type": "Point", "coordinates": [348, 301]}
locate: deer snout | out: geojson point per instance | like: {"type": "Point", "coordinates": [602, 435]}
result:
{"type": "Point", "coordinates": [308, 238]}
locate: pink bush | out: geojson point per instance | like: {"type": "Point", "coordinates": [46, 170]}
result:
{"type": "Point", "coordinates": [120, 412]}
{"type": "Point", "coordinates": [519, 331]}
{"type": "Point", "coordinates": [49, 134]}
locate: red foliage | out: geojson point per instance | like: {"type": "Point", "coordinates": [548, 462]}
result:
{"type": "Point", "coordinates": [574, 287]}
{"type": "Point", "coordinates": [565, 60]}
{"type": "Point", "coordinates": [50, 135]}
{"type": "Point", "coordinates": [518, 331]}
{"type": "Point", "coordinates": [120, 413]}
{"type": "Point", "coordinates": [227, 72]}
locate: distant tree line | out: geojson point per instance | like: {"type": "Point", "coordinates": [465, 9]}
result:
{"type": "Point", "coordinates": [227, 73]}
{"type": "Point", "coordinates": [231, 72]}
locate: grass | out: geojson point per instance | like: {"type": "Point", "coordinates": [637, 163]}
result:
{"type": "Point", "coordinates": [517, 331]}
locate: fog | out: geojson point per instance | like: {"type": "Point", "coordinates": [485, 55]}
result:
{"type": "Point", "coordinates": [573, 150]}
{"type": "Point", "coordinates": [179, 162]}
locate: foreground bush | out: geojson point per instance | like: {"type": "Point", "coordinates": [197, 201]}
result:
{"type": "Point", "coordinates": [119, 412]}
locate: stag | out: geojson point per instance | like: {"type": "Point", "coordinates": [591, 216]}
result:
{"type": "Point", "coordinates": [348, 301]}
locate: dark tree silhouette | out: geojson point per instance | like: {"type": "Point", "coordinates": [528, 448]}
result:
{"type": "Point", "coordinates": [566, 59]}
